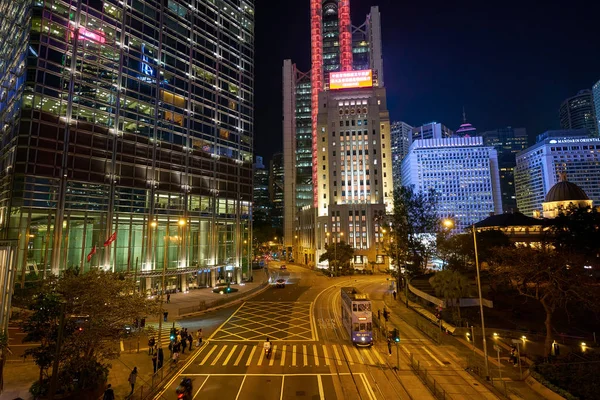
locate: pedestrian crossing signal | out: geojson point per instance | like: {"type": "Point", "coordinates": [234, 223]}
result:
{"type": "Point", "coordinates": [396, 335]}
{"type": "Point", "coordinates": [173, 333]}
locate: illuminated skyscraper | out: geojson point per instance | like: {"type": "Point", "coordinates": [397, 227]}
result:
{"type": "Point", "coordinates": [400, 131]}
{"type": "Point", "coordinates": [596, 98]}
{"type": "Point", "coordinates": [127, 136]}
{"type": "Point", "coordinates": [336, 46]}
{"type": "Point", "coordinates": [578, 112]}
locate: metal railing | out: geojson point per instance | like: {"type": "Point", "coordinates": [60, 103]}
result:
{"type": "Point", "coordinates": [428, 379]}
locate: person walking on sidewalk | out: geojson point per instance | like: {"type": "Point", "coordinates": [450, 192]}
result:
{"type": "Point", "coordinates": [154, 361]}
{"type": "Point", "coordinates": [389, 343]}
{"type": "Point", "coordinates": [131, 380]}
{"type": "Point", "coordinates": [395, 294]}
{"type": "Point", "coordinates": [190, 340]}
{"type": "Point", "coordinates": [161, 358]}
{"type": "Point", "coordinates": [165, 315]}
{"type": "Point", "coordinates": [109, 393]}
{"type": "Point", "coordinates": [183, 344]}
{"type": "Point", "coordinates": [199, 337]}
{"type": "Point", "coordinates": [151, 343]}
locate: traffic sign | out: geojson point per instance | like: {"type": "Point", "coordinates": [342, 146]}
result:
{"type": "Point", "coordinates": [517, 341]}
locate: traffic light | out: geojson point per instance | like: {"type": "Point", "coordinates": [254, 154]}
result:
{"type": "Point", "coordinates": [173, 333]}
{"type": "Point", "coordinates": [396, 335]}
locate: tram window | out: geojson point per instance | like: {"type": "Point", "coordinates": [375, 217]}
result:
{"type": "Point", "coordinates": [355, 326]}
{"type": "Point", "coordinates": [369, 327]}
{"type": "Point", "coordinates": [364, 307]}
{"type": "Point", "coordinates": [362, 326]}
{"type": "Point", "coordinates": [354, 307]}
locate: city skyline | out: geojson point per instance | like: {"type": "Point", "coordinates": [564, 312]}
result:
{"type": "Point", "coordinates": [522, 61]}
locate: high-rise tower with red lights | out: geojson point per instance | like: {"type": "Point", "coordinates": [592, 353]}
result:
{"type": "Point", "coordinates": [336, 45]}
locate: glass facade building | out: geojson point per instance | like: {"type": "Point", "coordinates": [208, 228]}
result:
{"type": "Point", "coordinates": [128, 129]}
{"type": "Point", "coordinates": [596, 98]}
{"type": "Point", "coordinates": [462, 172]}
{"type": "Point", "coordinates": [400, 131]}
{"type": "Point", "coordinates": [578, 112]}
{"type": "Point", "coordinates": [539, 167]}
{"type": "Point", "coordinates": [507, 142]}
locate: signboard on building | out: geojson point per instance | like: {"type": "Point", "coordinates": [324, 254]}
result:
{"type": "Point", "coordinates": [351, 79]}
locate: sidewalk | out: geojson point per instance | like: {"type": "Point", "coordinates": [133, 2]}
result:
{"type": "Point", "coordinates": [18, 376]}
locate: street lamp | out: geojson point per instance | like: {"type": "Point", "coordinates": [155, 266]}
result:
{"type": "Point", "coordinates": [487, 367]}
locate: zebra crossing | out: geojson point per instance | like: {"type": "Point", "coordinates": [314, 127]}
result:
{"type": "Point", "coordinates": [152, 330]}
{"type": "Point", "coordinates": [215, 354]}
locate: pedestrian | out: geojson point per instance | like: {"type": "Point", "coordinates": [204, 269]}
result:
{"type": "Point", "coordinates": [175, 357]}
{"type": "Point", "coordinates": [378, 314]}
{"type": "Point", "coordinates": [199, 337]}
{"type": "Point", "coordinates": [190, 340]}
{"type": "Point", "coordinates": [151, 343]}
{"type": "Point", "coordinates": [389, 343]}
{"type": "Point", "coordinates": [394, 294]}
{"type": "Point", "coordinates": [165, 315]}
{"type": "Point", "coordinates": [183, 344]}
{"type": "Point", "coordinates": [168, 298]}
{"type": "Point", "coordinates": [132, 378]}
{"type": "Point", "coordinates": [154, 361]}
{"type": "Point", "coordinates": [109, 393]}
{"type": "Point", "coordinates": [160, 358]}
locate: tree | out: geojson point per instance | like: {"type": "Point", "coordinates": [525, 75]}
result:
{"type": "Point", "coordinates": [576, 230]}
{"type": "Point", "coordinates": [338, 255]}
{"type": "Point", "coordinates": [548, 276]}
{"type": "Point", "coordinates": [452, 286]}
{"type": "Point", "coordinates": [459, 251]}
{"type": "Point", "coordinates": [97, 306]}
{"type": "Point", "coordinates": [413, 217]}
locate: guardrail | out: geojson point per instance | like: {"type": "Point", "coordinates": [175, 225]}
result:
{"type": "Point", "coordinates": [428, 380]}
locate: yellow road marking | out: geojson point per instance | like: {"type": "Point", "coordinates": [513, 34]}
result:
{"type": "Point", "coordinates": [283, 356]}
{"type": "Point", "coordinates": [272, 360]}
{"type": "Point", "coordinates": [208, 355]}
{"type": "Point", "coordinates": [325, 355]}
{"type": "Point", "coordinates": [337, 355]}
{"type": "Point", "coordinates": [237, 360]}
{"type": "Point", "coordinates": [358, 357]}
{"type": "Point", "coordinates": [305, 355]}
{"type": "Point", "coordinates": [366, 353]}
{"type": "Point", "coordinates": [348, 355]}
{"type": "Point", "coordinates": [434, 357]}
{"type": "Point", "coordinates": [260, 359]}
{"type": "Point", "coordinates": [218, 356]}
{"type": "Point", "coordinates": [378, 356]}
{"type": "Point", "coordinates": [294, 355]}
{"type": "Point", "coordinates": [316, 355]}
{"type": "Point", "coordinates": [250, 356]}
{"type": "Point", "coordinates": [320, 384]}
{"type": "Point", "coordinates": [229, 355]}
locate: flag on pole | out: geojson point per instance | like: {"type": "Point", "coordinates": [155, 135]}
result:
{"type": "Point", "coordinates": [111, 239]}
{"type": "Point", "coordinates": [92, 252]}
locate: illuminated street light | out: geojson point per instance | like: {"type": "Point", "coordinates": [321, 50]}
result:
{"type": "Point", "coordinates": [181, 222]}
{"type": "Point", "coordinates": [153, 224]}
{"type": "Point", "coordinates": [448, 223]}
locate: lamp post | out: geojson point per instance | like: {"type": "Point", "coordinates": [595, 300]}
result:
{"type": "Point", "coordinates": [337, 265]}
{"type": "Point", "coordinates": [164, 277]}
{"type": "Point", "coordinates": [485, 353]}
{"type": "Point", "coordinates": [329, 243]}
{"type": "Point", "coordinates": [295, 252]}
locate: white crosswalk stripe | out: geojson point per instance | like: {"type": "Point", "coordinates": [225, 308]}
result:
{"type": "Point", "coordinates": [287, 355]}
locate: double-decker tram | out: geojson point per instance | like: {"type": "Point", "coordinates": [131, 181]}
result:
{"type": "Point", "coordinates": [357, 316]}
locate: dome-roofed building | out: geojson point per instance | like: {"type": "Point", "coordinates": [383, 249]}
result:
{"type": "Point", "coordinates": [562, 195]}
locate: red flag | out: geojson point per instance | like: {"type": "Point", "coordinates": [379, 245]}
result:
{"type": "Point", "coordinates": [111, 239]}
{"type": "Point", "coordinates": [89, 256]}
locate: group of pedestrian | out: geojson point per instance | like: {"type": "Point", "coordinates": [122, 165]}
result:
{"type": "Point", "coordinates": [514, 356]}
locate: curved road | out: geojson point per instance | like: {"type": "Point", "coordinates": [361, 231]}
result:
{"type": "Point", "coordinates": [313, 357]}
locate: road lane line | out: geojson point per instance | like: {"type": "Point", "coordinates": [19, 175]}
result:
{"type": "Point", "coordinates": [434, 357]}
{"type": "Point", "coordinates": [348, 355]}
{"type": "Point", "coordinates": [325, 355]}
{"type": "Point", "coordinates": [260, 358]}
{"type": "Point", "coordinates": [294, 355]}
{"type": "Point", "coordinates": [239, 358]}
{"type": "Point", "coordinates": [371, 361]}
{"type": "Point", "coordinates": [368, 387]}
{"type": "Point", "coordinates": [378, 356]}
{"type": "Point", "coordinates": [218, 356]}
{"type": "Point", "coordinates": [283, 356]}
{"type": "Point", "coordinates": [316, 355]}
{"type": "Point", "coordinates": [229, 355]}
{"type": "Point", "coordinates": [272, 360]}
{"type": "Point", "coordinates": [250, 356]}
{"type": "Point", "coordinates": [226, 321]}
{"type": "Point", "coordinates": [282, 381]}
{"type": "Point", "coordinates": [240, 389]}
{"type": "Point", "coordinates": [208, 355]}
{"type": "Point", "coordinates": [304, 355]}
{"type": "Point", "coordinates": [201, 386]}
{"type": "Point", "coordinates": [337, 355]}
{"type": "Point", "coordinates": [320, 383]}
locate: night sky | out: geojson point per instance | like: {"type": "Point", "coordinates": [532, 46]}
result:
{"type": "Point", "coordinates": [510, 63]}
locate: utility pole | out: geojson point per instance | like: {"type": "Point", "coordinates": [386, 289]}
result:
{"type": "Point", "coordinates": [485, 353]}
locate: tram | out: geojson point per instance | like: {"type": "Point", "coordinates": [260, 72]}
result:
{"type": "Point", "coordinates": [357, 316]}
